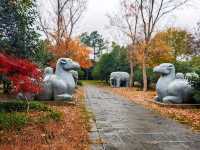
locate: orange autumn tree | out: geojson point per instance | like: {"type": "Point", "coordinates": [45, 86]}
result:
{"type": "Point", "coordinates": [73, 49]}
{"type": "Point", "coordinates": [159, 51]}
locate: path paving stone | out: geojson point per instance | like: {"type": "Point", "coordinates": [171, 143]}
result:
{"type": "Point", "coordinates": [124, 125]}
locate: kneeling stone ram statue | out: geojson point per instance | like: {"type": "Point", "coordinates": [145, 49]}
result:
{"type": "Point", "coordinates": [172, 88]}
{"type": "Point", "coordinates": [61, 85]}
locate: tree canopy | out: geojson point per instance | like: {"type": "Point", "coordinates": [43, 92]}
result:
{"type": "Point", "coordinates": [117, 60]}
{"type": "Point", "coordinates": [17, 27]}
{"type": "Point", "coordinates": [95, 41]}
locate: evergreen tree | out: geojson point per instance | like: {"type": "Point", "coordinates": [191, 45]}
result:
{"type": "Point", "coordinates": [17, 27]}
{"type": "Point", "coordinates": [96, 41]}
{"type": "Point", "coordinates": [117, 60]}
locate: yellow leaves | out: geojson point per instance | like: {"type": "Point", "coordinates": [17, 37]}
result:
{"type": "Point", "coordinates": [155, 52]}
{"type": "Point", "coordinates": [159, 51]}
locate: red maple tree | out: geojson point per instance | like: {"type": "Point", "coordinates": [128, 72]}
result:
{"type": "Point", "coordinates": [23, 74]}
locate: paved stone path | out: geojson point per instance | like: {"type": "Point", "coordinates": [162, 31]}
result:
{"type": "Point", "coordinates": [124, 125]}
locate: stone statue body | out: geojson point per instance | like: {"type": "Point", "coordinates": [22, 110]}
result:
{"type": "Point", "coordinates": [117, 77]}
{"type": "Point", "coordinates": [61, 85]}
{"type": "Point", "coordinates": [171, 88]}
{"type": "Point", "coordinates": [47, 93]}
{"type": "Point", "coordinates": [75, 76]}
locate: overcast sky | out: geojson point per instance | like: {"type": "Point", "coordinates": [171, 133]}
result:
{"type": "Point", "coordinates": [95, 17]}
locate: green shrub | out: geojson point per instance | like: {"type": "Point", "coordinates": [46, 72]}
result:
{"type": "Point", "coordinates": [196, 96]}
{"type": "Point", "coordinates": [195, 82]}
{"type": "Point", "coordinates": [195, 62]}
{"type": "Point", "coordinates": [81, 74]}
{"type": "Point", "coordinates": [80, 83]}
{"type": "Point", "coordinates": [55, 115]}
{"type": "Point", "coordinates": [12, 120]}
{"type": "Point", "coordinates": [42, 56]}
{"type": "Point", "coordinates": [117, 60]}
{"type": "Point", "coordinates": [138, 76]}
{"type": "Point", "coordinates": [183, 67]}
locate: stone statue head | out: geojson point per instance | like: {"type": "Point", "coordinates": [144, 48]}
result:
{"type": "Point", "coordinates": [179, 75]}
{"type": "Point", "coordinates": [66, 64]}
{"type": "Point", "coordinates": [48, 71]}
{"type": "Point", "coordinates": [165, 69]}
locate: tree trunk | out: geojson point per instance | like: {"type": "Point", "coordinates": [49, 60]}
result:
{"type": "Point", "coordinates": [144, 71]}
{"type": "Point", "coordinates": [28, 104]}
{"type": "Point", "coordinates": [58, 23]}
{"type": "Point", "coordinates": [94, 54]}
{"type": "Point", "coordinates": [131, 74]}
{"type": "Point", "coordinates": [6, 86]}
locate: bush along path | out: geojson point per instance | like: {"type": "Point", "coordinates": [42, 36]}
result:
{"type": "Point", "coordinates": [122, 124]}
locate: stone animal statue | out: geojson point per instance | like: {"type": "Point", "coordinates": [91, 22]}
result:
{"type": "Point", "coordinates": [172, 88]}
{"type": "Point", "coordinates": [180, 76]}
{"type": "Point", "coordinates": [75, 76]}
{"type": "Point", "coordinates": [46, 93]}
{"type": "Point", "coordinates": [119, 78]}
{"type": "Point", "coordinates": [61, 85]}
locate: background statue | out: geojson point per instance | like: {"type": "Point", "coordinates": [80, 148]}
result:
{"type": "Point", "coordinates": [61, 85]}
{"type": "Point", "coordinates": [119, 79]}
{"type": "Point", "coordinates": [75, 76]}
{"type": "Point", "coordinates": [172, 88]}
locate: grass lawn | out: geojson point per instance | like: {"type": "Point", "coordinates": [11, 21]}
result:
{"type": "Point", "coordinates": [94, 82]}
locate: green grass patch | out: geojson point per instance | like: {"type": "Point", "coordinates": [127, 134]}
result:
{"type": "Point", "coordinates": [13, 120]}
{"type": "Point", "coordinates": [21, 106]}
{"type": "Point", "coordinates": [51, 115]}
{"type": "Point", "coordinates": [55, 115]}
{"type": "Point", "coordinates": [13, 115]}
{"type": "Point", "coordinates": [80, 83]}
{"type": "Point", "coordinates": [94, 82]}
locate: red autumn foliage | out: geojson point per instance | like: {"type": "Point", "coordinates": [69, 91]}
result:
{"type": "Point", "coordinates": [24, 75]}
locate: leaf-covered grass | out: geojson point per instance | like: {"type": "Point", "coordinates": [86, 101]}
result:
{"type": "Point", "coordinates": [13, 116]}
{"type": "Point", "coordinates": [51, 115]}
{"type": "Point", "coordinates": [86, 115]}
{"type": "Point", "coordinates": [63, 127]}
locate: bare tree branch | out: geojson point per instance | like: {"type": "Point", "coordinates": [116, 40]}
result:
{"type": "Point", "coordinates": [151, 12]}
{"type": "Point", "coordinates": [65, 15]}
